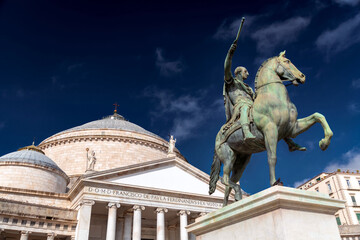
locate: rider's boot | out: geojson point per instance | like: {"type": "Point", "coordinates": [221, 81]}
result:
{"type": "Point", "coordinates": [247, 133]}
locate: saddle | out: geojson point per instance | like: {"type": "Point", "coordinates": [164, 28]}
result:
{"type": "Point", "coordinates": [236, 125]}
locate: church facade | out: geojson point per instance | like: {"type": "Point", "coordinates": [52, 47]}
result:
{"type": "Point", "coordinates": [107, 179]}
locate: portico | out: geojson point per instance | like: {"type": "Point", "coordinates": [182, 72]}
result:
{"type": "Point", "coordinates": [139, 222]}
{"type": "Point", "coordinates": [111, 210]}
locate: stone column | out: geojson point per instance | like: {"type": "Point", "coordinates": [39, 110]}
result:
{"type": "Point", "coordinates": [137, 222]}
{"type": "Point", "coordinates": [84, 216]}
{"type": "Point", "coordinates": [2, 237]}
{"type": "Point", "coordinates": [24, 235]}
{"type": "Point", "coordinates": [160, 219]}
{"type": "Point", "coordinates": [51, 236]}
{"type": "Point", "coordinates": [119, 228]}
{"type": "Point", "coordinates": [183, 223]}
{"type": "Point", "coordinates": [111, 223]}
{"type": "Point", "coordinates": [127, 226]}
{"type": "Point", "coordinates": [172, 232]}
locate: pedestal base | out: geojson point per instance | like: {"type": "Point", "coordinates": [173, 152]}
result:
{"type": "Point", "coordinates": [277, 213]}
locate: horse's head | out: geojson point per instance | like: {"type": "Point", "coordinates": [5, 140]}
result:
{"type": "Point", "coordinates": [287, 71]}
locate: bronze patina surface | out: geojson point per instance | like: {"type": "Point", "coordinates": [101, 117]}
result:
{"type": "Point", "coordinates": [256, 122]}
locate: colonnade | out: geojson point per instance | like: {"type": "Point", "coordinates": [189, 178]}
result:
{"type": "Point", "coordinates": [50, 236]}
{"type": "Point", "coordinates": [132, 222]}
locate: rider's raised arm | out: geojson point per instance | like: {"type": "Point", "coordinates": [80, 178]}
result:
{"type": "Point", "coordinates": [227, 65]}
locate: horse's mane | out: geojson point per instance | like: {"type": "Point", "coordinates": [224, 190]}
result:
{"type": "Point", "coordinates": [258, 71]}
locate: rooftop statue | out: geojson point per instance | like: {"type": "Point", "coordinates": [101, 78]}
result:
{"type": "Point", "coordinates": [172, 142]}
{"type": "Point", "coordinates": [91, 160]}
{"type": "Point", "coordinates": [257, 121]}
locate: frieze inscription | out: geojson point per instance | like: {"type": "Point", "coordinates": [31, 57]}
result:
{"type": "Point", "coordinates": [152, 197]}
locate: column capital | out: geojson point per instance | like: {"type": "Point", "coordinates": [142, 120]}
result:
{"type": "Point", "coordinates": [183, 212]}
{"type": "Point", "coordinates": [25, 232]}
{"type": "Point", "coordinates": [138, 208]}
{"type": "Point", "coordinates": [87, 202]}
{"type": "Point", "coordinates": [172, 227]}
{"type": "Point", "coordinates": [51, 236]}
{"type": "Point", "coordinates": [161, 210]}
{"type": "Point", "coordinates": [202, 214]}
{"type": "Point", "coordinates": [112, 204]}
{"type": "Point", "coordinates": [128, 213]}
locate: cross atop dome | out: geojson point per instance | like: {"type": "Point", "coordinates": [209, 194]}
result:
{"type": "Point", "coordinates": [116, 105]}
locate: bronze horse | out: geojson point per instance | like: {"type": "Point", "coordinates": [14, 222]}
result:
{"type": "Point", "coordinates": [274, 118]}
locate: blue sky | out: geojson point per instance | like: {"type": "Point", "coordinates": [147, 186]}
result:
{"type": "Point", "coordinates": [64, 63]}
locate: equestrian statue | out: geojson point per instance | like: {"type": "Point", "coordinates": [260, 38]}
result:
{"type": "Point", "coordinates": [255, 122]}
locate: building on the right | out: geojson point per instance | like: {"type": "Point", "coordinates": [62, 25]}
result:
{"type": "Point", "coordinates": [343, 185]}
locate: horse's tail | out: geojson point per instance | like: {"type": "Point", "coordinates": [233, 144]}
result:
{"type": "Point", "coordinates": [215, 172]}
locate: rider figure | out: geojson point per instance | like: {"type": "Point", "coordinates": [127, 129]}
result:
{"type": "Point", "coordinates": [238, 96]}
{"type": "Point", "coordinates": [238, 99]}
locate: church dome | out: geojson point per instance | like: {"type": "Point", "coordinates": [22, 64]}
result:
{"type": "Point", "coordinates": [30, 155]}
{"type": "Point", "coordinates": [114, 121]}
{"type": "Point", "coordinates": [29, 168]}
{"type": "Point", "coordinates": [112, 141]}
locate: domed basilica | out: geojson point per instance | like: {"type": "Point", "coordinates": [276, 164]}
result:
{"type": "Point", "coordinates": [106, 179]}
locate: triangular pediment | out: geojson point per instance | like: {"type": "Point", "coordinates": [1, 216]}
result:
{"type": "Point", "coordinates": [165, 174]}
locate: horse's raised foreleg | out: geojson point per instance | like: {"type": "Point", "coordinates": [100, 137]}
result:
{"type": "Point", "coordinates": [304, 124]}
{"type": "Point", "coordinates": [271, 138]}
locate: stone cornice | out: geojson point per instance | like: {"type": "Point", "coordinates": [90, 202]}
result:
{"type": "Point", "coordinates": [136, 140]}
{"type": "Point", "coordinates": [66, 132]}
{"type": "Point", "coordinates": [162, 192]}
{"type": "Point", "coordinates": [11, 207]}
{"type": "Point", "coordinates": [20, 191]}
{"type": "Point", "coordinates": [33, 165]}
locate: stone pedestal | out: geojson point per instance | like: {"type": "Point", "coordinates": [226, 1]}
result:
{"type": "Point", "coordinates": [277, 213]}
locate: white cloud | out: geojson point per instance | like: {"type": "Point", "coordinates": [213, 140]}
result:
{"type": "Point", "coordinates": [349, 161]}
{"type": "Point", "coordinates": [167, 68]}
{"type": "Point", "coordinates": [347, 2]}
{"type": "Point", "coordinates": [311, 145]}
{"type": "Point", "coordinates": [354, 107]}
{"type": "Point", "coordinates": [355, 83]}
{"type": "Point", "coordinates": [340, 38]}
{"type": "Point", "coordinates": [298, 183]}
{"type": "Point", "coordinates": [279, 33]}
{"type": "Point", "coordinates": [228, 30]}
{"type": "Point", "coordinates": [188, 112]}
{"type": "Point", "coordinates": [185, 103]}
{"type": "Point", "coordinates": [20, 93]}
{"type": "Point", "coordinates": [73, 67]}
